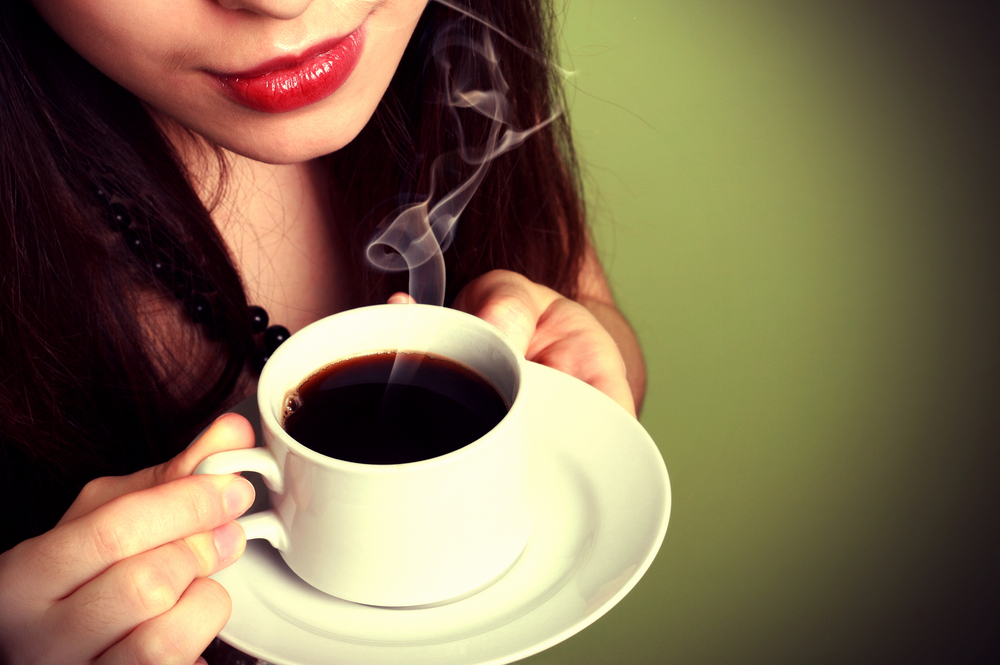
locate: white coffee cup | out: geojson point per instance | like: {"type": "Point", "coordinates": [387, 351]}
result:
{"type": "Point", "coordinates": [399, 534]}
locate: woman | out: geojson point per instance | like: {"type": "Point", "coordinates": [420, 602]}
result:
{"type": "Point", "coordinates": [166, 164]}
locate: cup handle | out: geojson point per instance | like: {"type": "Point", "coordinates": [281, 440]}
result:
{"type": "Point", "coordinates": [266, 523]}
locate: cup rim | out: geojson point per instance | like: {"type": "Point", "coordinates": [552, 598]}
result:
{"type": "Point", "coordinates": [270, 421]}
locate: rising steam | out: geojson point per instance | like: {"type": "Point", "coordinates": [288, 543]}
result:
{"type": "Point", "coordinates": [414, 237]}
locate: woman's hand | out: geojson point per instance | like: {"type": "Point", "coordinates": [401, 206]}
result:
{"type": "Point", "coordinates": [549, 329]}
{"type": "Point", "coordinates": [123, 577]}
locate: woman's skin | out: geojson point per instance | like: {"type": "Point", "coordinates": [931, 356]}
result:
{"type": "Point", "coordinates": [165, 52]}
{"type": "Point", "coordinates": [123, 578]}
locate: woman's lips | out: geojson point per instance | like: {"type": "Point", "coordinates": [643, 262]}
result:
{"type": "Point", "coordinates": [287, 84]}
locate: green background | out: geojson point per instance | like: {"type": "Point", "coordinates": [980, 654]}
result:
{"type": "Point", "coordinates": [797, 205]}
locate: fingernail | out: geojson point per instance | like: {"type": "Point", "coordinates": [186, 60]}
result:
{"type": "Point", "coordinates": [201, 661]}
{"type": "Point", "coordinates": [228, 540]}
{"type": "Point", "coordinates": [238, 496]}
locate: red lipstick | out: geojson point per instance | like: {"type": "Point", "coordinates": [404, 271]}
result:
{"type": "Point", "coordinates": [286, 84]}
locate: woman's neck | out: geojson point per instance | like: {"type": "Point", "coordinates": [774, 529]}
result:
{"type": "Point", "coordinates": [281, 229]}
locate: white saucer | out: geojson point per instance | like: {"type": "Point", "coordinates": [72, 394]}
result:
{"type": "Point", "coordinates": [603, 501]}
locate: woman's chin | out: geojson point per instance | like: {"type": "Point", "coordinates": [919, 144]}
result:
{"type": "Point", "coordinates": [273, 145]}
{"type": "Point", "coordinates": [284, 152]}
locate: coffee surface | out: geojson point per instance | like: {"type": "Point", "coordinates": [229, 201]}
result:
{"type": "Point", "coordinates": [389, 408]}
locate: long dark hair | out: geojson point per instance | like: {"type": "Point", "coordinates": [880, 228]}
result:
{"type": "Point", "coordinates": [98, 219]}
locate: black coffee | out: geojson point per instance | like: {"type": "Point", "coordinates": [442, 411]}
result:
{"type": "Point", "coordinates": [351, 411]}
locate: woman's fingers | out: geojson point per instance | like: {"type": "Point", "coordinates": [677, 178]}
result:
{"type": "Point", "coordinates": [108, 608]}
{"type": "Point", "coordinates": [401, 298]}
{"type": "Point", "coordinates": [570, 339]}
{"type": "Point", "coordinates": [179, 635]}
{"type": "Point", "coordinates": [509, 301]}
{"type": "Point", "coordinates": [228, 432]}
{"type": "Point", "coordinates": [550, 329]}
{"type": "Point", "coordinates": [78, 551]}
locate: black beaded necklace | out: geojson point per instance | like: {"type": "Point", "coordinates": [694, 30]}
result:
{"type": "Point", "coordinates": [268, 338]}
{"type": "Point", "coordinates": [195, 293]}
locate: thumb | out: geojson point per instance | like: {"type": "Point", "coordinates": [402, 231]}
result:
{"type": "Point", "coordinates": [400, 298]}
{"type": "Point", "coordinates": [229, 432]}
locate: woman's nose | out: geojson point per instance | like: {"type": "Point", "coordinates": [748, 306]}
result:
{"type": "Point", "coordinates": [280, 9]}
